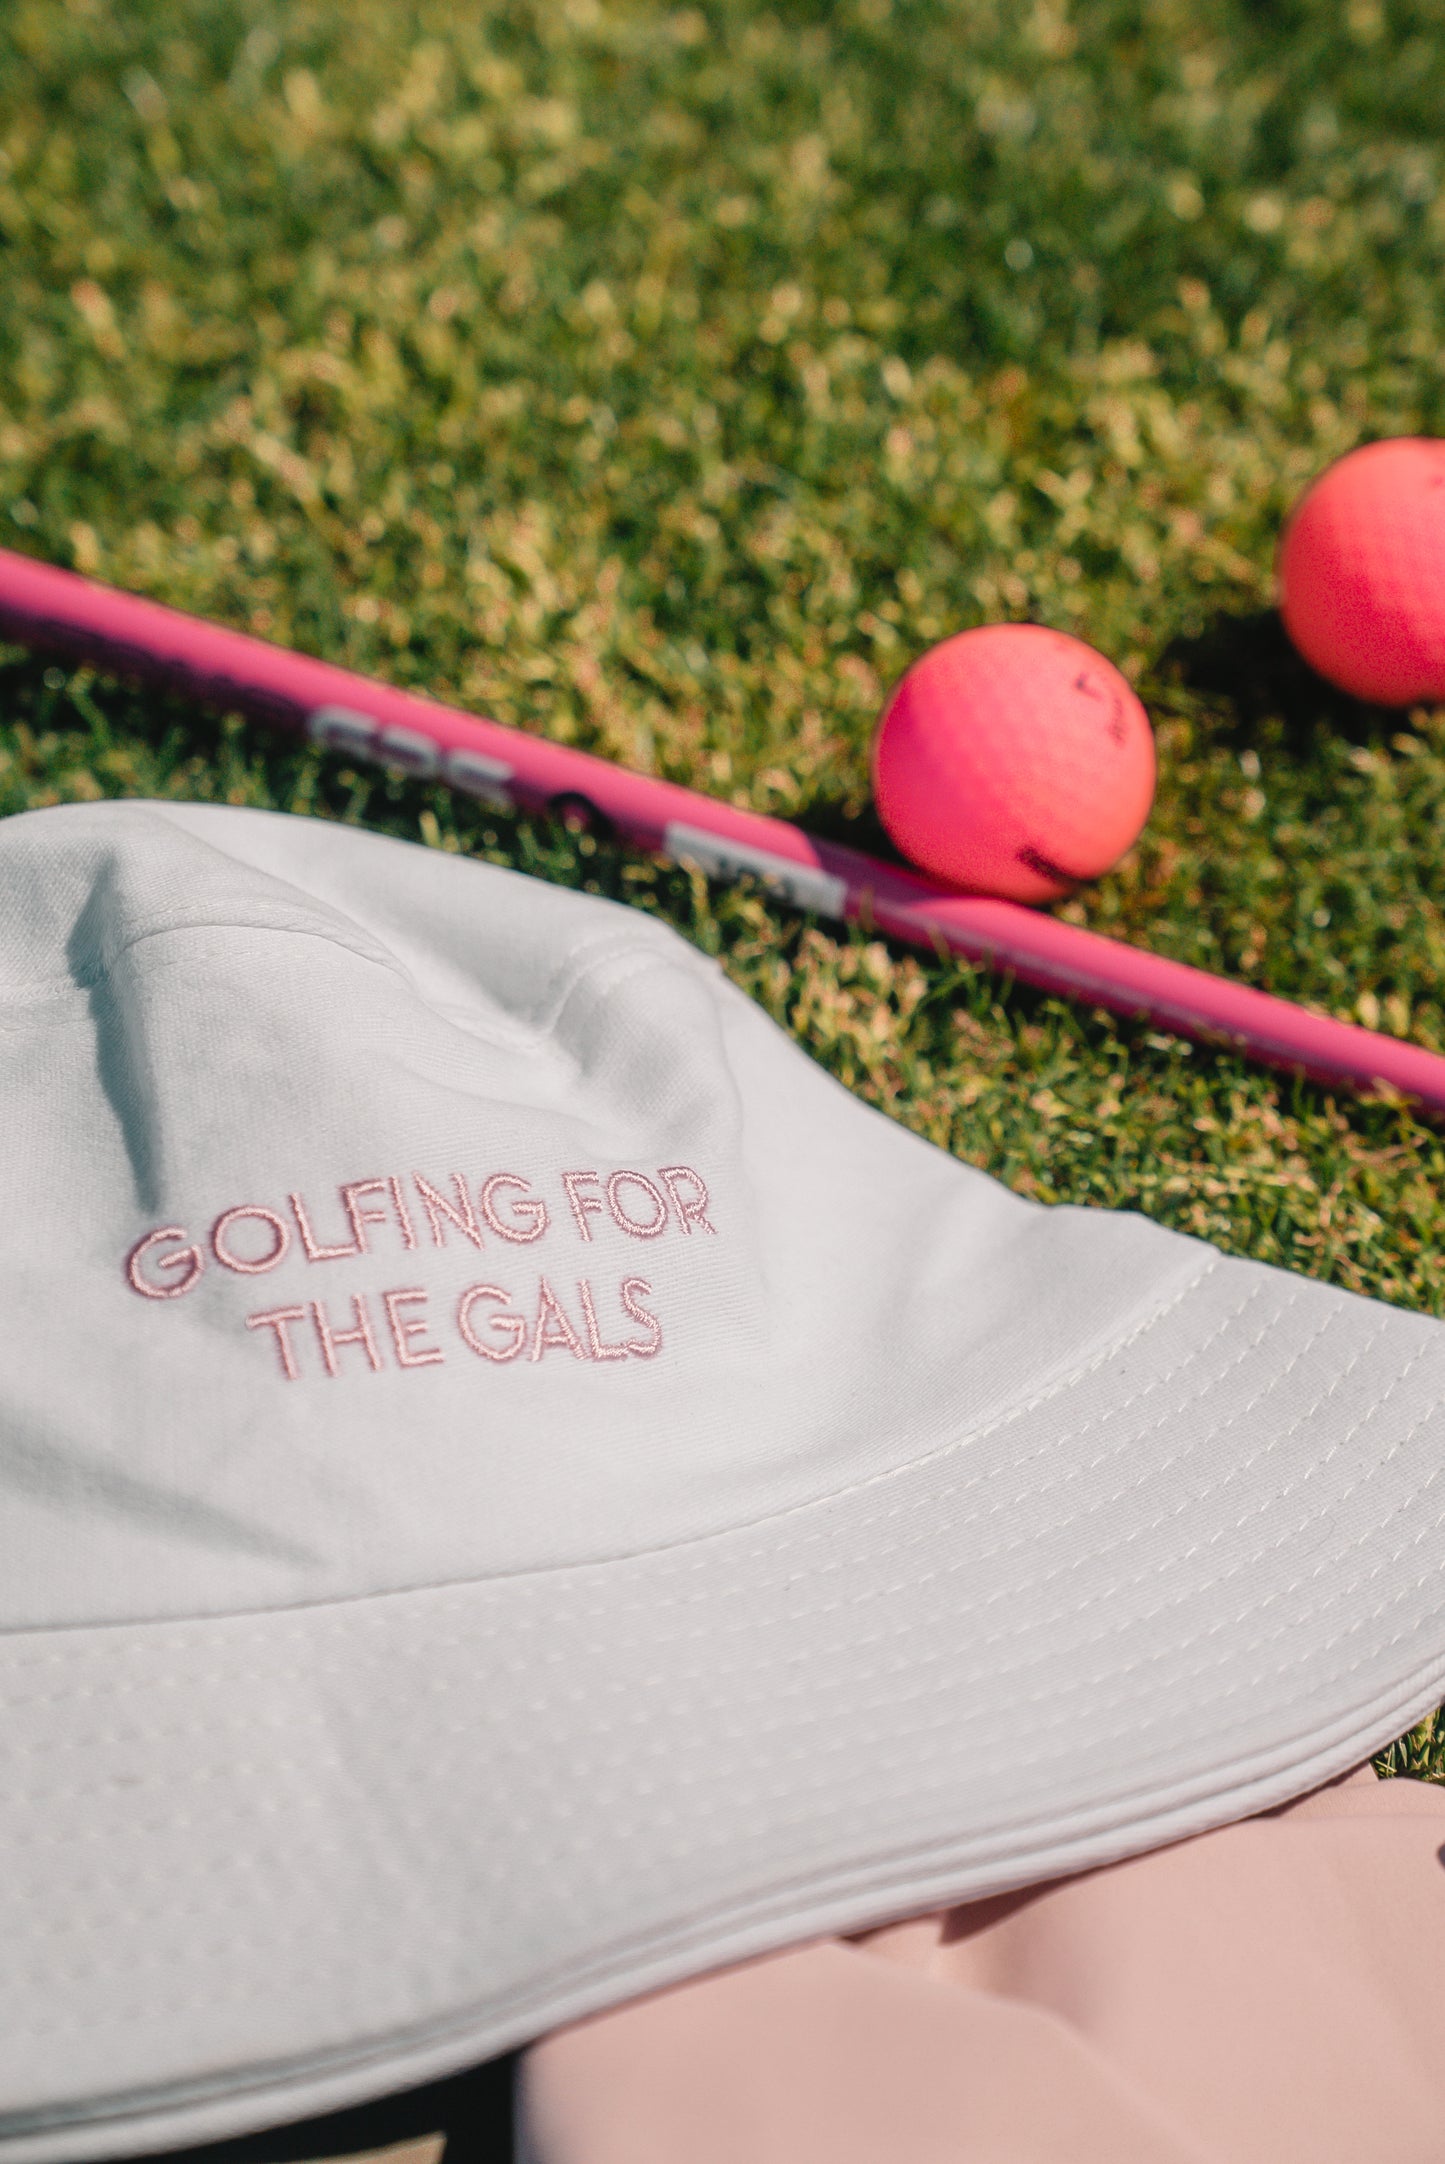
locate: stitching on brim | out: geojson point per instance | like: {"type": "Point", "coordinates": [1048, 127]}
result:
{"type": "Point", "coordinates": [698, 1808]}
{"type": "Point", "coordinates": [715, 1634]}
{"type": "Point", "coordinates": [557, 1577]}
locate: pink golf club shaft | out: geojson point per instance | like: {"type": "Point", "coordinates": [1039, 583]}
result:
{"type": "Point", "coordinates": [75, 617]}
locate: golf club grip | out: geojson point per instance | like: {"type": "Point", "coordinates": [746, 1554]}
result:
{"type": "Point", "coordinates": [82, 620]}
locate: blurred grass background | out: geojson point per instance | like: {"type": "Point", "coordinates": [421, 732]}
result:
{"type": "Point", "coordinates": [664, 379]}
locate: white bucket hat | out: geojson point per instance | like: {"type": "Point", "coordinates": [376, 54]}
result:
{"type": "Point", "coordinates": [515, 1488]}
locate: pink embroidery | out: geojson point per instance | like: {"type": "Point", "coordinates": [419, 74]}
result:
{"type": "Point", "coordinates": [360, 1218]}
{"type": "Point", "coordinates": [630, 1224]}
{"type": "Point", "coordinates": [513, 1323]}
{"type": "Point", "coordinates": [403, 1214]}
{"type": "Point", "coordinates": [278, 1320]}
{"type": "Point", "coordinates": [314, 1251]}
{"type": "Point", "coordinates": [650, 1348]}
{"type": "Point", "coordinates": [425, 1356]}
{"type": "Point", "coordinates": [239, 1263]}
{"type": "Point", "coordinates": [532, 1209]}
{"type": "Point", "coordinates": [330, 1339]}
{"type": "Point", "coordinates": [692, 1211]}
{"type": "Point", "coordinates": [190, 1256]}
{"type": "Point", "coordinates": [462, 1215]}
{"type": "Point", "coordinates": [594, 1335]}
{"type": "Point", "coordinates": [553, 1327]}
{"type": "Point", "coordinates": [581, 1204]}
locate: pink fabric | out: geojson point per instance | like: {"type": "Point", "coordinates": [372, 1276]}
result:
{"type": "Point", "coordinates": [1270, 1993]}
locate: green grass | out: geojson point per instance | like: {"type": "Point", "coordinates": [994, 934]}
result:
{"type": "Point", "coordinates": [665, 380]}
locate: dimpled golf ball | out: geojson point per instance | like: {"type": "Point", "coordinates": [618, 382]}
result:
{"type": "Point", "coordinates": [1013, 760]}
{"type": "Point", "coordinates": [1362, 572]}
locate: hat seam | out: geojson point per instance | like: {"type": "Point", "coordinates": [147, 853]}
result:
{"type": "Point", "coordinates": [88, 980]}
{"type": "Point", "coordinates": [810, 1752]}
{"type": "Point", "coordinates": [668, 1555]}
{"type": "Point", "coordinates": [698, 1808]}
{"type": "Point", "coordinates": [344, 1615]}
{"type": "Point", "coordinates": [672, 1560]}
{"type": "Point", "coordinates": [230, 1673]}
{"type": "Point", "coordinates": [579, 964]}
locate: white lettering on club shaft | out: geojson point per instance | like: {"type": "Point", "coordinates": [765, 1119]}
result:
{"type": "Point", "coordinates": [481, 777]}
{"type": "Point", "coordinates": [342, 728]}
{"type": "Point", "coordinates": [806, 886]}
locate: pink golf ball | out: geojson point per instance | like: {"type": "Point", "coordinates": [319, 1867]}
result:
{"type": "Point", "coordinates": [1015, 761]}
{"type": "Point", "coordinates": [1362, 572]}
